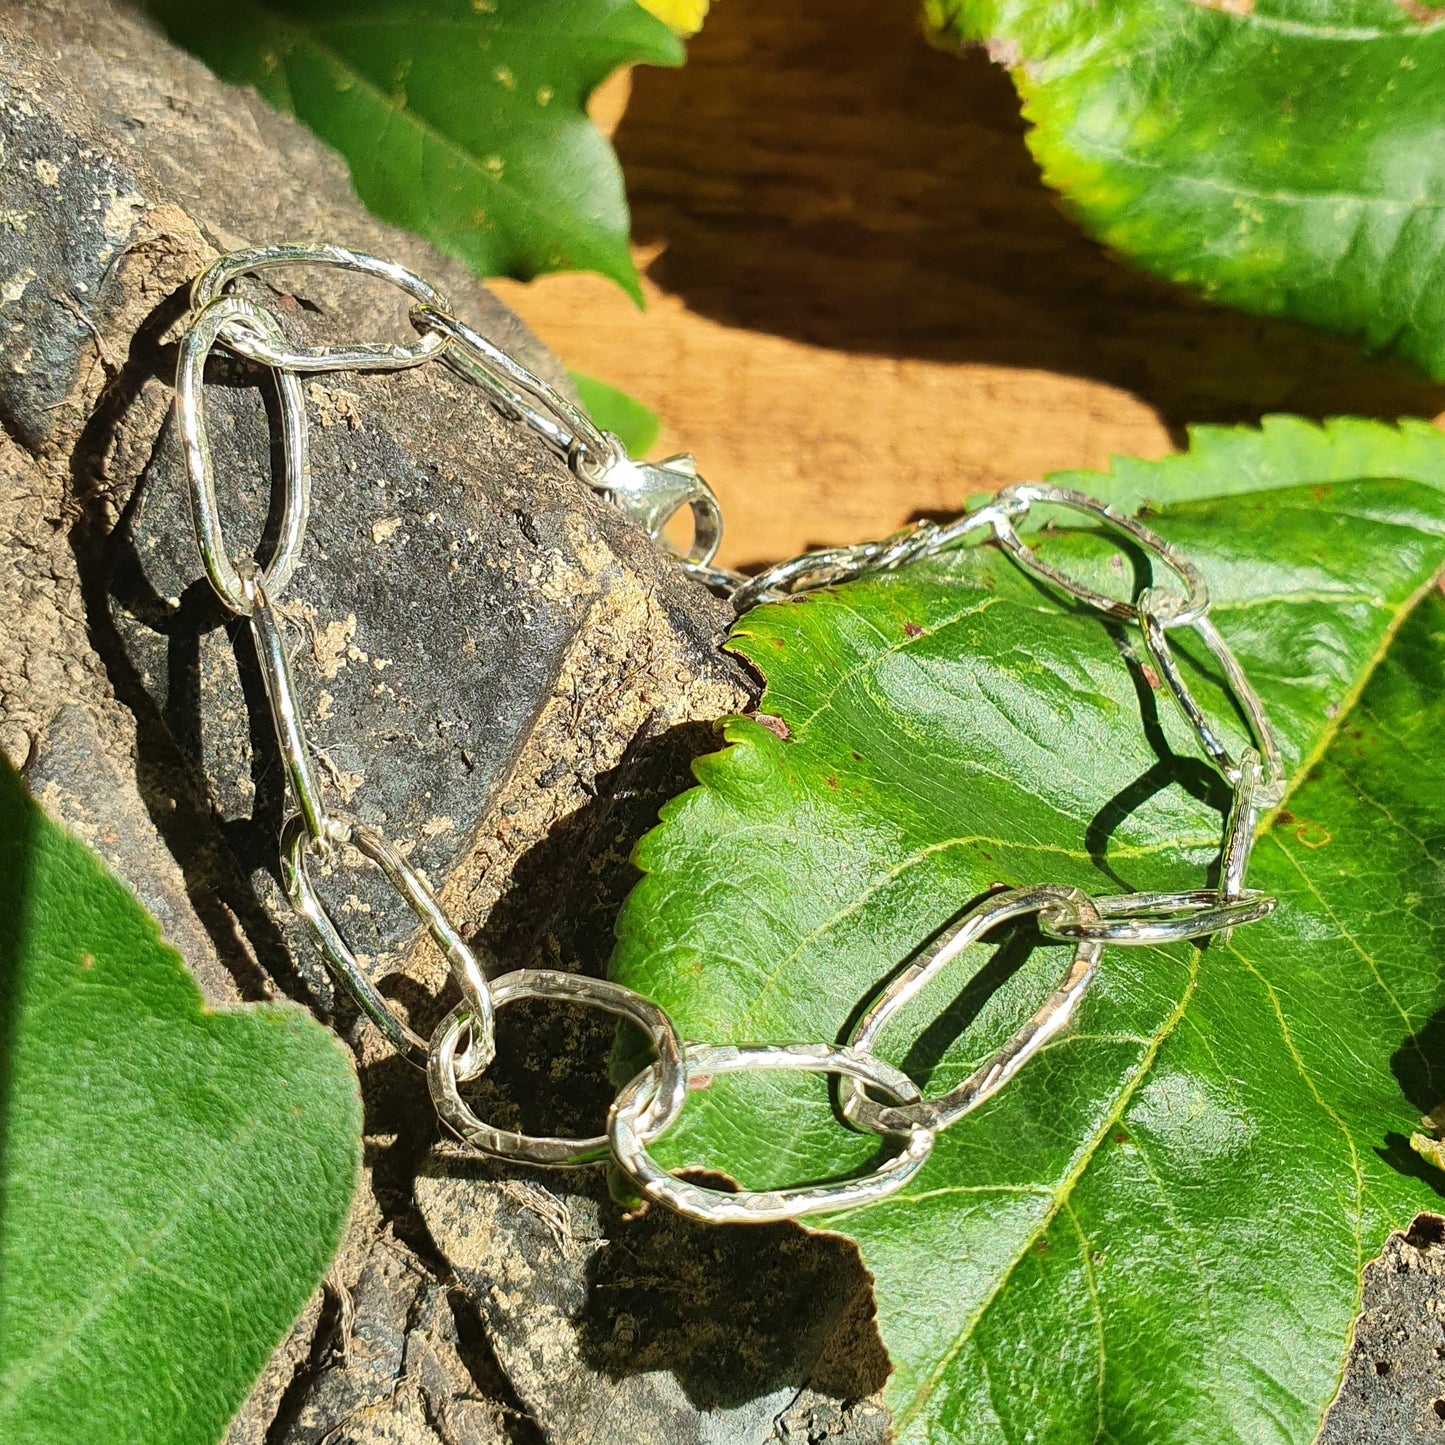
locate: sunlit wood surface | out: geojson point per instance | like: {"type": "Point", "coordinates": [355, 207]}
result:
{"type": "Point", "coordinates": [863, 304]}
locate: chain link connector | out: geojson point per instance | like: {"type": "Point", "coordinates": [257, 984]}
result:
{"type": "Point", "coordinates": [1173, 610]}
{"type": "Point", "coordinates": [668, 1069]}
{"type": "Point", "coordinates": [630, 1136]}
{"type": "Point", "coordinates": [822, 568]}
{"type": "Point", "coordinates": [649, 494]}
{"type": "Point", "coordinates": [297, 848]}
{"type": "Point", "coordinates": [1239, 827]}
{"type": "Point", "coordinates": [461, 960]}
{"type": "Point", "coordinates": [1270, 790]}
{"type": "Point", "coordinates": [1048, 901]}
{"type": "Point", "coordinates": [277, 351]}
{"type": "Point", "coordinates": [1157, 918]}
{"type": "Point", "coordinates": [514, 390]}
{"type": "Point", "coordinates": [232, 315]}
{"type": "Point", "coordinates": [831, 565]}
{"type": "Point", "coordinates": [286, 715]}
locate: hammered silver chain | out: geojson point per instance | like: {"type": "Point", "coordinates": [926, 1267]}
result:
{"type": "Point", "coordinates": [874, 1095]}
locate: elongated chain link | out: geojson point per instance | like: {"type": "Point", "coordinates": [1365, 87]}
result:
{"type": "Point", "coordinates": [650, 494]}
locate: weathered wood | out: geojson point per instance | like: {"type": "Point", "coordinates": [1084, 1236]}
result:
{"type": "Point", "coordinates": [863, 303]}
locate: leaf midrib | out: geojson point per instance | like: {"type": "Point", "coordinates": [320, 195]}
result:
{"type": "Point", "coordinates": [1060, 1196]}
{"type": "Point", "coordinates": [1349, 34]}
{"type": "Point", "coordinates": [1232, 188]}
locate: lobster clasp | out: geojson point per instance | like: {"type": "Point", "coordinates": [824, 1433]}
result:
{"type": "Point", "coordinates": [652, 493]}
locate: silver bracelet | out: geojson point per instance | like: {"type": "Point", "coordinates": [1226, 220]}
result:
{"type": "Point", "coordinates": [651, 494]}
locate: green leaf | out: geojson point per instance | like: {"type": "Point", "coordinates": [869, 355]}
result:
{"type": "Point", "coordinates": [173, 1181]}
{"type": "Point", "coordinates": [634, 425]}
{"type": "Point", "coordinates": [1155, 1233]}
{"type": "Point", "coordinates": [1285, 156]}
{"type": "Point", "coordinates": [464, 120]}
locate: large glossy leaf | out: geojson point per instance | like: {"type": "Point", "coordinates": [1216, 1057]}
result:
{"type": "Point", "coordinates": [173, 1181]}
{"type": "Point", "coordinates": [462, 119]}
{"type": "Point", "coordinates": [1286, 156]}
{"type": "Point", "coordinates": [1155, 1233]}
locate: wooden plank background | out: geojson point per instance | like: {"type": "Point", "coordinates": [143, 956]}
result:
{"type": "Point", "coordinates": [863, 304]}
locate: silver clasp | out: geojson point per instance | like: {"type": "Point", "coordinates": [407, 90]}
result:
{"type": "Point", "coordinates": [652, 493]}
{"type": "Point", "coordinates": [647, 493]}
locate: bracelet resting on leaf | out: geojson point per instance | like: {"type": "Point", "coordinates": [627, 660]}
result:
{"type": "Point", "coordinates": [874, 1095]}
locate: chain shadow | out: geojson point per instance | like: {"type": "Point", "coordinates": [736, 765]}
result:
{"type": "Point", "coordinates": [1419, 1067]}
{"type": "Point", "coordinates": [1419, 1062]}
{"type": "Point", "coordinates": [1196, 777]}
{"type": "Point", "coordinates": [113, 585]}
{"type": "Point", "coordinates": [1014, 942]}
{"type": "Point", "coordinates": [825, 175]}
{"type": "Point", "coordinates": [1191, 773]}
{"type": "Point", "coordinates": [736, 1312]}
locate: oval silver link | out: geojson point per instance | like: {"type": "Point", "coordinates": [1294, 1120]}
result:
{"type": "Point", "coordinates": [278, 351]}
{"type": "Point", "coordinates": [831, 565]}
{"type": "Point", "coordinates": [1181, 611]}
{"type": "Point", "coordinates": [1271, 789]}
{"type": "Point", "coordinates": [286, 715]}
{"type": "Point", "coordinates": [720, 579]}
{"type": "Point", "coordinates": [1155, 918]}
{"type": "Point", "coordinates": [518, 392]}
{"type": "Point", "coordinates": [668, 1069]}
{"type": "Point", "coordinates": [1239, 826]}
{"type": "Point", "coordinates": [648, 493]}
{"type": "Point", "coordinates": [630, 1137]}
{"type": "Point", "coordinates": [798, 574]}
{"type": "Point", "coordinates": [466, 971]}
{"type": "Point", "coordinates": [296, 847]}
{"type": "Point", "coordinates": [1053, 1015]}
{"type": "Point", "coordinates": [902, 547]}
{"type": "Point", "coordinates": [196, 345]}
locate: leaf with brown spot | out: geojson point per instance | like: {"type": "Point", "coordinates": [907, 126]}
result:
{"type": "Point", "coordinates": [1166, 1148]}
